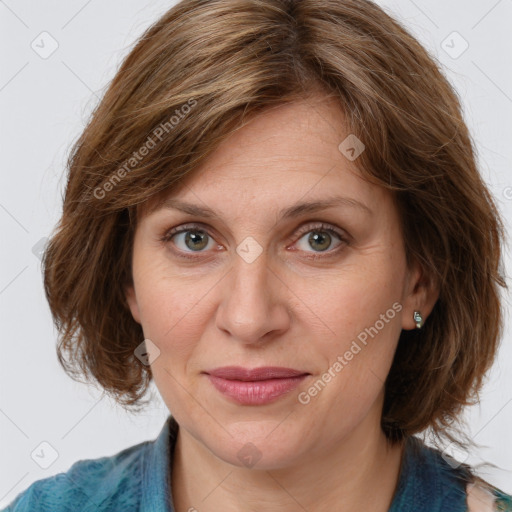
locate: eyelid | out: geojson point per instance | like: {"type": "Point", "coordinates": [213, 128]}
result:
{"type": "Point", "coordinates": [189, 226]}
{"type": "Point", "coordinates": [320, 226]}
{"type": "Point", "coordinates": [301, 230]}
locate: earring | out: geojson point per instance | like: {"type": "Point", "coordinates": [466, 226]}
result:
{"type": "Point", "coordinates": [418, 319]}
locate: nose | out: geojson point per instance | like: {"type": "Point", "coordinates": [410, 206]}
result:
{"type": "Point", "coordinates": [253, 308]}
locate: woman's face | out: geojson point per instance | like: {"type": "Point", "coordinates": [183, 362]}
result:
{"type": "Point", "coordinates": [255, 281]}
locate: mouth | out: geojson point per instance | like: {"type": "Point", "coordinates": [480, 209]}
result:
{"type": "Point", "coordinates": [255, 386]}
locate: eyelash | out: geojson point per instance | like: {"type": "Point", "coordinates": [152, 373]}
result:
{"type": "Point", "coordinates": [320, 227]}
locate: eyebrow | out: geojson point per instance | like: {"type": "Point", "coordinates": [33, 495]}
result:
{"type": "Point", "coordinates": [292, 211]}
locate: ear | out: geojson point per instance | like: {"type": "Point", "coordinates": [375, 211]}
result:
{"type": "Point", "coordinates": [131, 299]}
{"type": "Point", "coordinates": [420, 294]}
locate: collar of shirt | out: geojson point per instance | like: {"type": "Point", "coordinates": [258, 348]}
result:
{"type": "Point", "coordinates": [156, 470]}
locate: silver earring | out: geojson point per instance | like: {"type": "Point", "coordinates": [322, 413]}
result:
{"type": "Point", "coordinates": [418, 319]}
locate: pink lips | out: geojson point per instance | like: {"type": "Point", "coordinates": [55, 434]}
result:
{"type": "Point", "coordinates": [255, 386]}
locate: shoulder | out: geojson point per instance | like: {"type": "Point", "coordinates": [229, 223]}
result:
{"type": "Point", "coordinates": [89, 485]}
{"type": "Point", "coordinates": [434, 481]}
{"type": "Point", "coordinates": [483, 497]}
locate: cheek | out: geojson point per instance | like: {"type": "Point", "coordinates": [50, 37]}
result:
{"type": "Point", "coordinates": [172, 307]}
{"type": "Point", "coordinates": [361, 308]}
{"type": "Point", "coordinates": [354, 299]}
{"type": "Point", "coordinates": [366, 323]}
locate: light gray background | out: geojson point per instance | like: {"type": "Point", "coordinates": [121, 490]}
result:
{"type": "Point", "coordinates": [44, 105]}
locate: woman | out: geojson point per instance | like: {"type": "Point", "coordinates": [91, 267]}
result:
{"type": "Point", "coordinates": [275, 213]}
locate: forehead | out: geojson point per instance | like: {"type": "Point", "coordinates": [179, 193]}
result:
{"type": "Point", "coordinates": [282, 157]}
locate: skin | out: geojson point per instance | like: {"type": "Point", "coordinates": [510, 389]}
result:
{"type": "Point", "coordinates": [282, 309]}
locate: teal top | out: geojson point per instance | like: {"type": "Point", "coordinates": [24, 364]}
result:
{"type": "Point", "coordinates": [138, 479]}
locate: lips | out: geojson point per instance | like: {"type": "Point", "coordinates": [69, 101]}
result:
{"type": "Point", "coordinates": [257, 386]}
{"type": "Point", "coordinates": [255, 374]}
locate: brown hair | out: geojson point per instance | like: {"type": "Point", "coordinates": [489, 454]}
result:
{"type": "Point", "coordinates": [200, 72]}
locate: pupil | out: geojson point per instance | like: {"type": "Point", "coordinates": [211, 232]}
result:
{"type": "Point", "coordinates": [315, 236]}
{"type": "Point", "coordinates": [196, 239]}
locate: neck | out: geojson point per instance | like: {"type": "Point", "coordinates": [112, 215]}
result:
{"type": "Point", "coordinates": [361, 472]}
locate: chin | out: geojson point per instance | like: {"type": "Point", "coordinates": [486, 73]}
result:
{"type": "Point", "coordinates": [256, 445]}
{"type": "Point", "coordinates": [257, 458]}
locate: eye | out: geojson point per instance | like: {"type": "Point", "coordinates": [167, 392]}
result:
{"type": "Point", "coordinates": [320, 237]}
{"type": "Point", "coordinates": [191, 238]}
